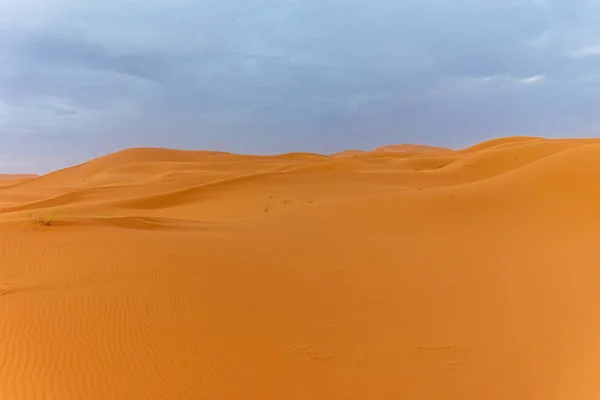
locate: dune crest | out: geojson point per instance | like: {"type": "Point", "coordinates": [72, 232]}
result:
{"type": "Point", "coordinates": [406, 272]}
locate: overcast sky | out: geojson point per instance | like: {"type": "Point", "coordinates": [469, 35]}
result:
{"type": "Point", "coordinates": [81, 78]}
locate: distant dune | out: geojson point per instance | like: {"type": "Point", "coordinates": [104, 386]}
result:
{"type": "Point", "coordinates": [11, 179]}
{"type": "Point", "coordinates": [15, 176]}
{"type": "Point", "coordinates": [414, 148]}
{"type": "Point", "coordinates": [406, 272]}
{"type": "Point", "coordinates": [347, 153]}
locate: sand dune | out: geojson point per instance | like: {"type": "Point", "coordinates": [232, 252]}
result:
{"type": "Point", "coordinates": [16, 176]}
{"type": "Point", "coordinates": [11, 179]}
{"type": "Point", "coordinates": [406, 272]}
{"type": "Point", "coordinates": [413, 148]}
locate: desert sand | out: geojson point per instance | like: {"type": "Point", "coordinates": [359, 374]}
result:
{"type": "Point", "coordinates": [403, 273]}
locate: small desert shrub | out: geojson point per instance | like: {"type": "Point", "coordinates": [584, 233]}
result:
{"type": "Point", "coordinates": [42, 220]}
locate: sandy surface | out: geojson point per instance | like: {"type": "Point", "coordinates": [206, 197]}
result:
{"type": "Point", "coordinates": [469, 274]}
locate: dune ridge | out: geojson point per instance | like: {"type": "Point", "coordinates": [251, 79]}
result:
{"type": "Point", "coordinates": [407, 271]}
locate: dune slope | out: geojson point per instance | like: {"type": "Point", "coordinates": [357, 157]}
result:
{"type": "Point", "coordinates": [391, 274]}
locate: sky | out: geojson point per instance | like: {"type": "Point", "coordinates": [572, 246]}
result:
{"type": "Point", "coordinates": [79, 78]}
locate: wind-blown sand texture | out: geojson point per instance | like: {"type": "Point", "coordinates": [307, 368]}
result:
{"type": "Point", "coordinates": [408, 274]}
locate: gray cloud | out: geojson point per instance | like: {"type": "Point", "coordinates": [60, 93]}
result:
{"type": "Point", "coordinates": [80, 79]}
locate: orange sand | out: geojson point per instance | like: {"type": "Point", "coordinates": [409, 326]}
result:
{"type": "Point", "coordinates": [408, 274]}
